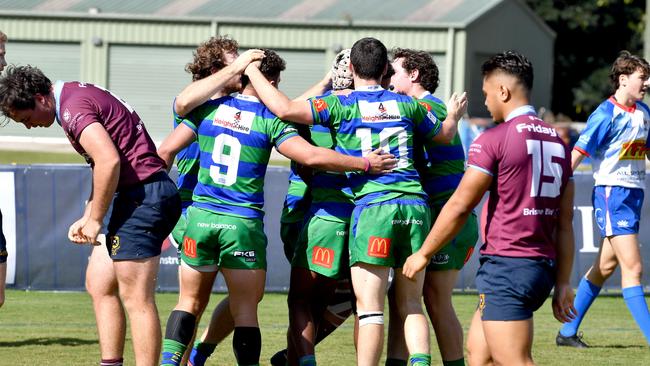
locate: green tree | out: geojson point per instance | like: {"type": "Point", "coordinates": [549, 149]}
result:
{"type": "Point", "coordinates": [590, 34]}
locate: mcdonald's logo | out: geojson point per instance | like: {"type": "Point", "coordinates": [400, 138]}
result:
{"type": "Point", "coordinates": [378, 247]}
{"type": "Point", "coordinates": [189, 247]}
{"type": "Point", "coordinates": [323, 257]}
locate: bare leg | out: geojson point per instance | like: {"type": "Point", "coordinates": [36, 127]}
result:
{"type": "Point", "coordinates": [409, 304]}
{"type": "Point", "coordinates": [101, 284]}
{"type": "Point", "coordinates": [478, 352]}
{"type": "Point", "coordinates": [221, 324]}
{"type": "Point", "coordinates": [604, 264]}
{"type": "Point", "coordinates": [396, 347]}
{"type": "Point", "coordinates": [628, 254]}
{"type": "Point", "coordinates": [3, 279]}
{"type": "Point", "coordinates": [510, 342]}
{"type": "Point", "coordinates": [137, 283]}
{"type": "Point", "coordinates": [369, 283]}
{"type": "Point", "coordinates": [438, 287]}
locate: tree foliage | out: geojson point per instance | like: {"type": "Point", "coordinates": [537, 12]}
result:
{"type": "Point", "coordinates": [590, 34]}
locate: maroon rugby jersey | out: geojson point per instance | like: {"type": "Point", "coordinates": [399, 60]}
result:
{"type": "Point", "coordinates": [530, 166]}
{"type": "Point", "coordinates": [79, 105]}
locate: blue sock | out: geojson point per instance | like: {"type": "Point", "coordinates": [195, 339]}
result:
{"type": "Point", "coordinates": [585, 296]}
{"type": "Point", "coordinates": [635, 301]}
{"type": "Point", "coordinates": [308, 360]}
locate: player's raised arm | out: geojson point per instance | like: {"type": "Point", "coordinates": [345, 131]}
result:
{"type": "Point", "coordinates": [456, 108]}
{"type": "Point", "coordinates": [298, 111]}
{"type": "Point", "coordinates": [298, 149]}
{"type": "Point", "coordinates": [180, 138]}
{"type": "Point", "coordinates": [451, 219]}
{"type": "Point", "coordinates": [563, 309]}
{"type": "Point", "coordinates": [202, 90]}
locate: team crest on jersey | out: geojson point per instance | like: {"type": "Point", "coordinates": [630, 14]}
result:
{"type": "Point", "coordinates": [373, 112]}
{"type": "Point", "coordinates": [633, 150]}
{"type": "Point", "coordinates": [66, 115]}
{"type": "Point", "coordinates": [115, 244]}
{"type": "Point", "coordinates": [425, 105]}
{"type": "Point", "coordinates": [319, 104]}
{"type": "Point", "coordinates": [233, 119]}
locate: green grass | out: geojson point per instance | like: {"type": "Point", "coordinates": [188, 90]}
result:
{"type": "Point", "coordinates": [39, 157]}
{"type": "Point", "coordinates": [46, 328]}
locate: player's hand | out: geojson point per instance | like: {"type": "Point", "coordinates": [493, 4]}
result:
{"type": "Point", "coordinates": [381, 162]}
{"type": "Point", "coordinates": [415, 263]}
{"type": "Point", "coordinates": [563, 309]}
{"type": "Point", "coordinates": [251, 66]}
{"type": "Point", "coordinates": [457, 106]}
{"type": "Point", "coordinates": [74, 232]}
{"type": "Point", "coordinates": [90, 230]}
{"type": "Point", "coordinates": [241, 62]}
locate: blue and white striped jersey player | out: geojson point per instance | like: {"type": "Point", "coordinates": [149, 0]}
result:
{"type": "Point", "coordinates": [616, 140]}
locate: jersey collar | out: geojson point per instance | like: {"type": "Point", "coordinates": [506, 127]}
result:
{"type": "Point", "coordinates": [369, 88]}
{"type": "Point", "coordinates": [425, 94]}
{"type": "Point", "coordinates": [623, 107]}
{"type": "Point", "coordinates": [520, 111]}
{"type": "Point", "coordinates": [248, 98]}
{"type": "Point", "coordinates": [58, 87]}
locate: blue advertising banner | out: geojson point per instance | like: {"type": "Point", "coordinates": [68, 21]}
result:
{"type": "Point", "coordinates": [39, 202]}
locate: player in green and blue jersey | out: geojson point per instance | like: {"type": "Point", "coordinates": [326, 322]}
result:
{"type": "Point", "coordinates": [391, 215]}
{"type": "Point", "coordinates": [225, 230]}
{"type": "Point", "coordinates": [441, 168]}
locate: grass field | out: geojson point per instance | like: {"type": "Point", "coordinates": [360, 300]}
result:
{"type": "Point", "coordinates": [46, 328]}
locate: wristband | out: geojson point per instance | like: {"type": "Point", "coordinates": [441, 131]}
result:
{"type": "Point", "coordinates": [367, 168]}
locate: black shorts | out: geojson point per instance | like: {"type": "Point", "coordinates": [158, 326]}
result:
{"type": "Point", "coordinates": [3, 244]}
{"type": "Point", "coordinates": [513, 288]}
{"type": "Point", "coordinates": [143, 216]}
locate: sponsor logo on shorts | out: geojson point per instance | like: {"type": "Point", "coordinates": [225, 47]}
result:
{"type": "Point", "coordinates": [341, 233]}
{"type": "Point", "coordinates": [214, 225]}
{"type": "Point", "coordinates": [470, 251]}
{"type": "Point", "coordinates": [323, 257]}
{"type": "Point", "coordinates": [319, 104]}
{"type": "Point", "coordinates": [115, 244]}
{"type": "Point", "coordinates": [623, 223]}
{"type": "Point", "coordinates": [248, 255]}
{"type": "Point", "coordinates": [440, 259]}
{"type": "Point", "coordinates": [633, 150]}
{"type": "Point", "coordinates": [481, 303]}
{"type": "Point", "coordinates": [378, 247]}
{"type": "Point", "coordinates": [189, 247]}
{"type": "Point", "coordinates": [407, 222]}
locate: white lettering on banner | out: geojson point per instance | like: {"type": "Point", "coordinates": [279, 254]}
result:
{"type": "Point", "coordinates": [8, 208]}
{"type": "Point", "coordinates": [169, 260]}
{"type": "Point", "coordinates": [586, 216]}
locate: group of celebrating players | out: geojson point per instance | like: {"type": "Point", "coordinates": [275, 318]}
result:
{"type": "Point", "coordinates": [378, 181]}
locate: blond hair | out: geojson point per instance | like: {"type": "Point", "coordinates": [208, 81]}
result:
{"type": "Point", "coordinates": [3, 37]}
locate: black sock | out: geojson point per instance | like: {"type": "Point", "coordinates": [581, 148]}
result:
{"type": "Point", "coordinates": [247, 344]}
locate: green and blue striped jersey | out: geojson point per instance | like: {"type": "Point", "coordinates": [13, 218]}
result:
{"type": "Point", "coordinates": [296, 203]}
{"type": "Point", "coordinates": [187, 163]}
{"type": "Point", "coordinates": [371, 117]}
{"type": "Point", "coordinates": [443, 165]}
{"type": "Point", "coordinates": [235, 134]}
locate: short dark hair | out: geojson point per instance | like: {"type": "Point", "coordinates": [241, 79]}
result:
{"type": "Point", "coordinates": [271, 67]}
{"type": "Point", "coordinates": [19, 86]}
{"type": "Point", "coordinates": [511, 63]}
{"type": "Point", "coordinates": [211, 55]}
{"type": "Point", "coordinates": [423, 63]}
{"type": "Point", "coordinates": [626, 64]}
{"type": "Point", "coordinates": [369, 58]}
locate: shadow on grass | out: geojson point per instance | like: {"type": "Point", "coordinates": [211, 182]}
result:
{"type": "Point", "coordinates": [72, 342]}
{"type": "Point", "coordinates": [619, 346]}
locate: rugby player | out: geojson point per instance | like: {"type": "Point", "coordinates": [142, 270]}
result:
{"type": "Point", "coordinates": [527, 223]}
{"type": "Point", "coordinates": [126, 169]}
{"type": "Point", "coordinates": [616, 141]}
{"type": "Point", "coordinates": [441, 167]}
{"type": "Point", "coordinates": [391, 214]}
{"type": "Point", "coordinates": [224, 229]}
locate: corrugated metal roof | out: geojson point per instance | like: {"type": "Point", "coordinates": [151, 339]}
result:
{"type": "Point", "coordinates": [406, 11]}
